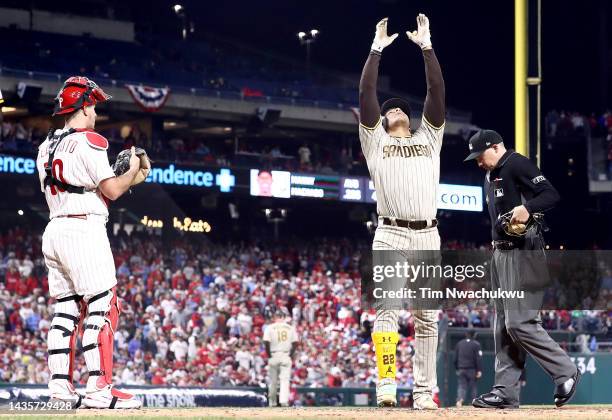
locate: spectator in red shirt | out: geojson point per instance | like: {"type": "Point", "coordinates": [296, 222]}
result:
{"type": "Point", "coordinates": [12, 279]}
{"type": "Point", "coordinates": [334, 378]}
{"type": "Point", "coordinates": [159, 378]}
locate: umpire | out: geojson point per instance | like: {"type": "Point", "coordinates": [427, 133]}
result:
{"type": "Point", "coordinates": [517, 193]}
{"type": "Point", "coordinates": [468, 364]}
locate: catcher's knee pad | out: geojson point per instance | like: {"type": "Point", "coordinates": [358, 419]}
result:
{"type": "Point", "coordinates": [61, 340]}
{"type": "Point", "coordinates": [99, 329]}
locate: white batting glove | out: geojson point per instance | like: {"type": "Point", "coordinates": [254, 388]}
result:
{"type": "Point", "coordinates": [381, 39]}
{"type": "Point", "coordinates": [422, 36]}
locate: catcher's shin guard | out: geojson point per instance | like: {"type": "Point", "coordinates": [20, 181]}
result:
{"type": "Point", "coordinates": [61, 344]}
{"type": "Point", "coordinates": [99, 329]}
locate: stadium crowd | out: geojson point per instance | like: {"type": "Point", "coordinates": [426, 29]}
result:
{"type": "Point", "coordinates": [194, 313]}
{"type": "Point", "coordinates": [560, 124]}
{"type": "Point", "coordinates": [566, 123]}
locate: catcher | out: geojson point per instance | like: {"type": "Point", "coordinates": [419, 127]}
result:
{"type": "Point", "coordinates": [517, 194]}
{"type": "Point", "coordinates": [78, 183]}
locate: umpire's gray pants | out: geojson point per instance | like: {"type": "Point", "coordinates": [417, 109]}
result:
{"type": "Point", "coordinates": [518, 328]}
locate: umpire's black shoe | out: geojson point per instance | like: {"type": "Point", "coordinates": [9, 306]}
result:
{"type": "Point", "coordinates": [491, 400]}
{"type": "Point", "coordinates": [565, 391]}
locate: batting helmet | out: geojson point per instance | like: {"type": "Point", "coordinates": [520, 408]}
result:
{"type": "Point", "coordinates": [78, 92]}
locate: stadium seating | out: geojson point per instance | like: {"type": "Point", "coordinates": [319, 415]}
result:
{"type": "Point", "coordinates": [165, 62]}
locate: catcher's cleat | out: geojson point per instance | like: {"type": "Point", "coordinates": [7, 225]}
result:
{"type": "Point", "coordinates": [63, 393]}
{"type": "Point", "coordinates": [386, 393]}
{"type": "Point", "coordinates": [424, 402]}
{"type": "Point", "coordinates": [109, 397]}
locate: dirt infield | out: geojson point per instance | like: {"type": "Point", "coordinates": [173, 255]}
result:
{"type": "Point", "coordinates": [219, 413]}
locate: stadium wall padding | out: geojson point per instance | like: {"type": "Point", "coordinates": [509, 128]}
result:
{"type": "Point", "coordinates": [157, 397]}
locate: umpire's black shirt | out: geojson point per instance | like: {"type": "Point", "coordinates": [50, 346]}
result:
{"type": "Point", "coordinates": [514, 181]}
{"type": "Point", "coordinates": [468, 355]}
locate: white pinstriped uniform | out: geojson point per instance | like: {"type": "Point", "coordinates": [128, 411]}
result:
{"type": "Point", "coordinates": [281, 336]}
{"type": "Point", "coordinates": [77, 252]}
{"type": "Point", "coordinates": [406, 173]}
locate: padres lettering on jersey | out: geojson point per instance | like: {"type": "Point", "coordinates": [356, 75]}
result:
{"type": "Point", "coordinates": [281, 336]}
{"type": "Point", "coordinates": [406, 151]}
{"type": "Point", "coordinates": [405, 170]}
{"type": "Point", "coordinates": [80, 160]}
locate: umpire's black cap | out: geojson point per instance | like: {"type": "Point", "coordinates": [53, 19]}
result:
{"type": "Point", "coordinates": [395, 103]}
{"type": "Point", "coordinates": [481, 141]}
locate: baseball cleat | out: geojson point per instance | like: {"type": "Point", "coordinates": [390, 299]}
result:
{"type": "Point", "coordinates": [424, 402]}
{"type": "Point", "coordinates": [109, 397]}
{"type": "Point", "coordinates": [565, 391]}
{"type": "Point", "coordinates": [492, 400]}
{"type": "Point", "coordinates": [63, 393]}
{"type": "Point", "coordinates": [386, 393]}
{"type": "Point", "coordinates": [66, 400]}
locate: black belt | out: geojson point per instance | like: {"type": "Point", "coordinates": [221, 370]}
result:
{"type": "Point", "coordinates": [410, 224]}
{"type": "Point", "coordinates": [504, 245]}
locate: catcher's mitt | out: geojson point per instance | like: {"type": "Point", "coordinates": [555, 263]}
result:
{"type": "Point", "coordinates": [122, 164]}
{"type": "Point", "coordinates": [518, 229]}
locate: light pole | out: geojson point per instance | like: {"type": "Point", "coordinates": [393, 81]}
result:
{"type": "Point", "coordinates": [307, 39]}
{"type": "Point", "coordinates": [187, 27]}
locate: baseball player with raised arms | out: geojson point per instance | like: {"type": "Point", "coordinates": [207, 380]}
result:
{"type": "Point", "coordinates": [78, 181]}
{"type": "Point", "coordinates": [281, 340]}
{"type": "Point", "coordinates": [405, 169]}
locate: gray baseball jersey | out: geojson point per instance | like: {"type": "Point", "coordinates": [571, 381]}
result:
{"type": "Point", "coordinates": [281, 336]}
{"type": "Point", "coordinates": [405, 170]}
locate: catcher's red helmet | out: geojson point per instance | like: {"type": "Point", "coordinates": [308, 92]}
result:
{"type": "Point", "coordinates": [78, 92]}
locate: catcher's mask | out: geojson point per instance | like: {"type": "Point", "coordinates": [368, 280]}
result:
{"type": "Point", "coordinates": [78, 92]}
{"type": "Point", "coordinates": [536, 220]}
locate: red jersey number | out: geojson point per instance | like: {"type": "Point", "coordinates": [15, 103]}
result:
{"type": "Point", "coordinates": [57, 169]}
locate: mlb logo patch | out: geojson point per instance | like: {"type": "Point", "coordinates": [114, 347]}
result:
{"type": "Point", "coordinates": [499, 192]}
{"type": "Point", "coordinates": [538, 179]}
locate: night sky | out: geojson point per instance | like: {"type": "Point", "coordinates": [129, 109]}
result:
{"type": "Point", "coordinates": [473, 41]}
